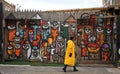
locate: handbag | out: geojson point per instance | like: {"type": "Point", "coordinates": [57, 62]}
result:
{"type": "Point", "coordinates": [70, 55]}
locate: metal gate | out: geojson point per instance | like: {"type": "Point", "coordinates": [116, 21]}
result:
{"type": "Point", "coordinates": [95, 38]}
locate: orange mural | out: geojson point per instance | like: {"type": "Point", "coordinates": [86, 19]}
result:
{"type": "Point", "coordinates": [11, 35]}
{"type": "Point", "coordinates": [54, 34]}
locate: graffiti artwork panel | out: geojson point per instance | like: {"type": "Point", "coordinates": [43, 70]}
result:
{"type": "Point", "coordinates": [46, 40]}
{"type": "Point", "coordinates": [94, 37]}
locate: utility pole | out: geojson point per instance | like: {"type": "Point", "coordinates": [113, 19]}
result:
{"type": "Point", "coordinates": [18, 7]}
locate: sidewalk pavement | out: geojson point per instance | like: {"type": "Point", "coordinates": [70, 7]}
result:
{"type": "Point", "coordinates": [26, 69]}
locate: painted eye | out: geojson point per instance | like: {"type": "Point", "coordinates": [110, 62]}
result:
{"type": "Point", "coordinates": [99, 29]}
{"type": "Point", "coordinates": [17, 45]}
{"type": "Point", "coordinates": [26, 46]}
{"type": "Point", "coordinates": [30, 32]}
{"type": "Point", "coordinates": [10, 47]}
{"type": "Point", "coordinates": [87, 30]}
{"type": "Point", "coordinates": [38, 32]}
{"type": "Point", "coordinates": [109, 31]}
{"type": "Point", "coordinates": [35, 53]}
{"type": "Point", "coordinates": [11, 27]}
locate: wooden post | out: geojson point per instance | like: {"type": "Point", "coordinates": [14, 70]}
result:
{"type": "Point", "coordinates": [1, 35]}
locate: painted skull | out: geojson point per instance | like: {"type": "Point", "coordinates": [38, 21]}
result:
{"type": "Point", "coordinates": [10, 47]}
{"type": "Point", "coordinates": [25, 46]}
{"type": "Point", "coordinates": [85, 18]}
{"type": "Point", "coordinates": [73, 26]}
{"type": "Point", "coordinates": [55, 25]}
{"type": "Point", "coordinates": [60, 41]}
{"type": "Point", "coordinates": [92, 38]}
{"type": "Point", "coordinates": [11, 25]}
{"type": "Point", "coordinates": [88, 30]}
{"type": "Point", "coordinates": [108, 29]}
{"type": "Point", "coordinates": [17, 39]}
{"type": "Point", "coordinates": [35, 53]}
{"type": "Point", "coordinates": [46, 26]}
{"type": "Point", "coordinates": [17, 46]}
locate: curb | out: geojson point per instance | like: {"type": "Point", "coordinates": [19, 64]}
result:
{"type": "Point", "coordinates": [15, 65]}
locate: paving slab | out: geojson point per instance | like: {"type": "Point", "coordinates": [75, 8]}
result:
{"type": "Point", "coordinates": [25, 69]}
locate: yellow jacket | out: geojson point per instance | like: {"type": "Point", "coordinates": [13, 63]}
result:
{"type": "Point", "coordinates": [70, 49]}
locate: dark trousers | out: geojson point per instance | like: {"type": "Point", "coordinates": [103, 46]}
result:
{"type": "Point", "coordinates": [74, 67]}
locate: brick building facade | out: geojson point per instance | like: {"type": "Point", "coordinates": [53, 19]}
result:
{"type": "Point", "coordinates": [111, 3]}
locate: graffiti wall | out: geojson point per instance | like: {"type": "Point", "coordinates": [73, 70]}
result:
{"type": "Point", "coordinates": [95, 37]}
{"type": "Point", "coordinates": [46, 40]}
{"type": "Point", "coordinates": [36, 39]}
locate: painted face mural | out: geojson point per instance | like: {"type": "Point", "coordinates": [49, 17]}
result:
{"type": "Point", "coordinates": [88, 30]}
{"type": "Point", "coordinates": [11, 31]}
{"type": "Point", "coordinates": [92, 38]}
{"type": "Point", "coordinates": [100, 20]}
{"type": "Point", "coordinates": [99, 30]}
{"type": "Point", "coordinates": [108, 29]}
{"type": "Point", "coordinates": [73, 26]}
{"type": "Point", "coordinates": [64, 30]}
{"type": "Point", "coordinates": [35, 40]}
{"type": "Point", "coordinates": [54, 30]}
{"type": "Point", "coordinates": [59, 49]}
{"type": "Point", "coordinates": [100, 34]}
{"type": "Point", "coordinates": [79, 34]}
{"type": "Point", "coordinates": [46, 41]}
{"type": "Point", "coordinates": [10, 49]}
{"type": "Point", "coordinates": [83, 49]}
{"type": "Point", "coordinates": [72, 29]}
{"type": "Point", "coordinates": [31, 35]}
{"type": "Point", "coordinates": [45, 31]}
{"type": "Point", "coordinates": [17, 39]}
{"type": "Point", "coordinates": [26, 46]}
{"type": "Point", "coordinates": [92, 20]}
{"type": "Point", "coordinates": [55, 25]}
{"type": "Point", "coordinates": [21, 29]}
{"type": "Point", "coordinates": [79, 30]}
{"type": "Point", "coordinates": [85, 17]}
{"type": "Point", "coordinates": [105, 51]}
{"type": "Point", "coordinates": [93, 50]}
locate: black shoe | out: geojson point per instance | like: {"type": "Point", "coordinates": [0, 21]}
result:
{"type": "Point", "coordinates": [75, 70]}
{"type": "Point", "coordinates": [64, 69]}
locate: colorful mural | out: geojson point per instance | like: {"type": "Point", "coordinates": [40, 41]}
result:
{"type": "Point", "coordinates": [38, 39]}
{"type": "Point", "coordinates": [94, 37]}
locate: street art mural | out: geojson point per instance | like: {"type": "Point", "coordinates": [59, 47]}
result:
{"type": "Point", "coordinates": [38, 39]}
{"type": "Point", "coordinates": [94, 37]}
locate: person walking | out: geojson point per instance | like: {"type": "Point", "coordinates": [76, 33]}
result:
{"type": "Point", "coordinates": [69, 59]}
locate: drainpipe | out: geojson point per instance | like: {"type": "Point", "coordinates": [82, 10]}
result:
{"type": "Point", "coordinates": [116, 28]}
{"type": "Point", "coordinates": [115, 40]}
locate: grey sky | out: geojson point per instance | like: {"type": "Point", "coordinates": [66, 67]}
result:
{"type": "Point", "coordinates": [55, 4]}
